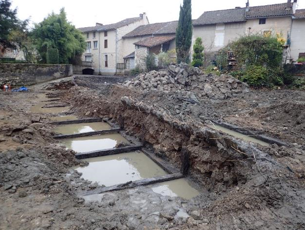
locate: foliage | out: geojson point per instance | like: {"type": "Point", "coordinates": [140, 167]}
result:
{"type": "Point", "coordinates": [301, 59]}
{"type": "Point", "coordinates": [56, 32]}
{"type": "Point", "coordinates": [259, 76]}
{"type": "Point", "coordinates": [184, 32]}
{"type": "Point", "coordinates": [150, 62]}
{"type": "Point", "coordinates": [165, 59]}
{"type": "Point", "coordinates": [280, 38]}
{"type": "Point", "coordinates": [257, 50]}
{"type": "Point", "coordinates": [136, 71]}
{"type": "Point", "coordinates": [52, 56]}
{"type": "Point", "coordinates": [299, 83]}
{"type": "Point", "coordinates": [221, 59]}
{"type": "Point", "coordinates": [212, 69]}
{"type": "Point", "coordinates": [8, 24]}
{"type": "Point", "coordinates": [198, 53]}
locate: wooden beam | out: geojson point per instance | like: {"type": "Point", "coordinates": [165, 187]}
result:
{"type": "Point", "coordinates": [80, 121]}
{"type": "Point", "coordinates": [166, 166]}
{"type": "Point", "coordinates": [88, 134]}
{"type": "Point", "coordinates": [108, 152]}
{"type": "Point", "coordinates": [133, 184]}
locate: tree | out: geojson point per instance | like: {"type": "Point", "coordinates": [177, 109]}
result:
{"type": "Point", "coordinates": [198, 53]}
{"type": "Point", "coordinates": [9, 23]}
{"type": "Point", "coordinates": [184, 32]}
{"type": "Point", "coordinates": [56, 33]}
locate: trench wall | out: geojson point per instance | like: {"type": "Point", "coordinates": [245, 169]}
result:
{"type": "Point", "coordinates": [29, 74]}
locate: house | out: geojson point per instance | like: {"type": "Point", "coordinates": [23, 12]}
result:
{"type": "Point", "coordinates": [151, 38]}
{"type": "Point", "coordinates": [105, 43]}
{"type": "Point", "coordinates": [218, 28]}
{"type": "Point", "coordinates": [298, 35]}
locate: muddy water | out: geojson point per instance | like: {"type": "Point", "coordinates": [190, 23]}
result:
{"type": "Point", "coordinates": [64, 118]}
{"type": "Point", "coordinates": [38, 109]}
{"type": "Point", "coordinates": [122, 168]}
{"type": "Point", "coordinates": [177, 188]}
{"type": "Point", "coordinates": [94, 143]}
{"type": "Point", "coordinates": [82, 128]}
{"type": "Point", "coordinates": [238, 135]}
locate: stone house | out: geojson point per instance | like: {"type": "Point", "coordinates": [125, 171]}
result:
{"type": "Point", "coordinates": [151, 38]}
{"type": "Point", "coordinates": [105, 45]}
{"type": "Point", "coordinates": [218, 28]}
{"type": "Point", "coordinates": [298, 35]}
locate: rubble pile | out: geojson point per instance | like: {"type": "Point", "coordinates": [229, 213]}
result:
{"type": "Point", "coordinates": [184, 79]}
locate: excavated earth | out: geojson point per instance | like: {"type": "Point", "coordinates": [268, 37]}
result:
{"type": "Point", "coordinates": [242, 185]}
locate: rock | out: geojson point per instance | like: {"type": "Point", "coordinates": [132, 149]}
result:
{"type": "Point", "coordinates": [196, 215]}
{"type": "Point", "coordinates": [8, 186]}
{"type": "Point", "coordinates": [22, 194]}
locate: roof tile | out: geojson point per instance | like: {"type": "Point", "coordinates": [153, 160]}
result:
{"type": "Point", "coordinates": [154, 41]}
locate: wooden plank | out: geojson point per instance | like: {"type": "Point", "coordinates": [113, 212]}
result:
{"type": "Point", "coordinates": [133, 184]}
{"type": "Point", "coordinates": [87, 134]}
{"type": "Point", "coordinates": [80, 121]}
{"type": "Point", "coordinates": [166, 166]}
{"type": "Point", "coordinates": [108, 152]}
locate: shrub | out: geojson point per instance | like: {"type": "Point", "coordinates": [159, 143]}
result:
{"type": "Point", "coordinates": [165, 59]}
{"type": "Point", "coordinates": [136, 71]}
{"type": "Point", "coordinates": [301, 59]}
{"type": "Point", "coordinates": [198, 53]}
{"type": "Point", "coordinates": [299, 83]}
{"type": "Point", "coordinates": [255, 76]}
{"type": "Point", "coordinates": [52, 56]}
{"type": "Point", "coordinates": [150, 62]}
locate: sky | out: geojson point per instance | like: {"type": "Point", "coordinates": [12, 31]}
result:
{"type": "Point", "coordinates": [87, 12]}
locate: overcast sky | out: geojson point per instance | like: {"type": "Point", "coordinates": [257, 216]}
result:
{"type": "Point", "coordinates": [87, 12]}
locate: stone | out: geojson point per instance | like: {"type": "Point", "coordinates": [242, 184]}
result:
{"type": "Point", "coordinates": [195, 214]}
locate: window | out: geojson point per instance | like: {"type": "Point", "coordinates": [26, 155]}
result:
{"type": "Point", "coordinates": [95, 44]}
{"type": "Point", "coordinates": [106, 44]}
{"type": "Point", "coordinates": [87, 35]}
{"type": "Point", "coordinates": [88, 59]}
{"type": "Point", "coordinates": [105, 33]}
{"type": "Point", "coordinates": [88, 47]}
{"type": "Point", "coordinates": [93, 34]}
{"type": "Point", "coordinates": [219, 39]}
{"type": "Point", "coordinates": [106, 60]}
{"type": "Point", "coordinates": [262, 21]}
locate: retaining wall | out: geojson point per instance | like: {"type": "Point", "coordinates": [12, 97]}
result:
{"type": "Point", "coordinates": [29, 74]}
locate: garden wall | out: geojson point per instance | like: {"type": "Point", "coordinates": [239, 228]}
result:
{"type": "Point", "coordinates": [29, 74]}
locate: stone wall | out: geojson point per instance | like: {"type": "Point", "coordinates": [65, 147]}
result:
{"type": "Point", "coordinates": [29, 74]}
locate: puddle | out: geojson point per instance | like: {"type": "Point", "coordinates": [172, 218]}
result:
{"type": "Point", "coordinates": [94, 143]}
{"type": "Point", "coordinates": [81, 128]}
{"type": "Point", "coordinates": [64, 118]}
{"type": "Point", "coordinates": [121, 168]}
{"type": "Point", "coordinates": [238, 135]}
{"type": "Point", "coordinates": [38, 109]}
{"type": "Point", "coordinates": [177, 188]}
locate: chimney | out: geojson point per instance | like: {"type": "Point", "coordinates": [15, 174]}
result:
{"type": "Point", "coordinates": [247, 6]}
{"type": "Point", "coordinates": [142, 15]}
{"type": "Point", "coordinates": [98, 24]}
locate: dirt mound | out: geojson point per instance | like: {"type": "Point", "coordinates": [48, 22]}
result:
{"type": "Point", "coordinates": [184, 79]}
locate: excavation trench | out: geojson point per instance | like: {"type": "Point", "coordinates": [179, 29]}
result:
{"type": "Point", "coordinates": [114, 169]}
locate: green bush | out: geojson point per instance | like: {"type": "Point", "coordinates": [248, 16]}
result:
{"type": "Point", "coordinates": [301, 59]}
{"type": "Point", "coordinates": [150, 62]}
{"type": "Point", "coordinates": [299, 83]}
{"type": "Point", "coordinates": [198, 53]}
{"type": "Point", "coordinates": [136, 71]}
{"type": "Point", "coordinates": [260, 76]}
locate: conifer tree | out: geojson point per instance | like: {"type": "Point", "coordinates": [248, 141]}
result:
{"type": "Point", "coordinates": [198, 53]}
{"type": "Point", "coordinates": [184, 32]}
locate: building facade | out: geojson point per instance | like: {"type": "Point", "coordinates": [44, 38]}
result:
{"type": "Point", "coordinates": [105, 45]}
{"type": "Point", "coordinates": [218, 28]}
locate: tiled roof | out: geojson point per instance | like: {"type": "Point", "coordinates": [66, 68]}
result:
{"type": "Point", "coordinates": [132, 55]}
{"type": "Point", "coordinates": [276, 10]}
{"type": "Point", "coordinates": [154, 41]}
{"type": "Point", "coordinates": [113, 26]}
{"type": "Point", "coordinates": [300, 14]}
{"type": "Point", "coordinates": [152, 29]}
{"type": "Point", "coordinates": [241, 15]}
{"type": "Point", "coordinates": [221, 16]}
